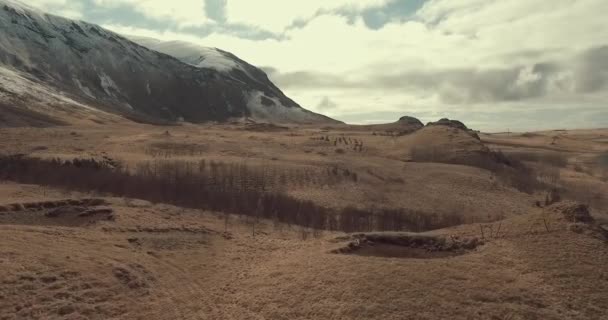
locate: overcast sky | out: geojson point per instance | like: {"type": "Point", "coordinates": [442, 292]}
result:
{"type": "Point", "coordinates": [494, 64]}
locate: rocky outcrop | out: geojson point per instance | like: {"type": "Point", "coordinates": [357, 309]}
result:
{"type": "Point", "coordinates": [454, 124]}
{"type": "Point", "coordinates": [407, 120]}
{"type": "Point", "coordinates": [450, 123]}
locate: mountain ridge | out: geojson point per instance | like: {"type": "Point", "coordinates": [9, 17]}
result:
{"type": "Point", "coordinates": [82, 64]}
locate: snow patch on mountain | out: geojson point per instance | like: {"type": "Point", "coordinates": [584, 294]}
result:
{"type": "Point", "coordinates": [108, 84]}
{"type": "Point", "coordinates": [198, 56]}
{"type": "Point", "coordinates": [271, 109]}
{"type": "Point", "coordinates": [84, 89]}
{"type": "Point", "coordinates": [22, 7]}
{"type": "Point", "coordinates": [212, 58]}
{"type": "Point", "coordinates": [14, 86]}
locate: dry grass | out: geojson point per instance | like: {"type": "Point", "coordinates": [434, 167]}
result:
{"type": "Point", "coordinates": [411, 186]}
{"type": "Point", "coordinates": [147, 265]}
{"type": "Point", "coordinates": [510, 171]}
{"type": "Point", "coordinates": [159, 261]}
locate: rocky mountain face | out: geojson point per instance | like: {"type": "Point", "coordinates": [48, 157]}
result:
{"type": "Point", "coordinates": [57, 63]}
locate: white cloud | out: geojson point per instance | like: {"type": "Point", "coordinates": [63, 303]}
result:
{"type": "Point", "coordinates": [276, 15]}
{"type": "Point", "coordinates": [521, 24]}
{"type": "Point", "coordinates": [46, 3]}
{"type": "Point", "coordinates": [183, 12]}
{"type": "Point", "coordinates": [455, 40]}
{"type": "Point", "coordinates": [62, 8]}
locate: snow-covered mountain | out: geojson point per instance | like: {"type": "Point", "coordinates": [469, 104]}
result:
{"type": "Point", "coordinates": [52, 65]}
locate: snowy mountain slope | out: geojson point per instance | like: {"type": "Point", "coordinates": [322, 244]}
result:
{"type": "Point", "coordinates": [265, 101]}
{"type": "Point", "coordinates": [92, 68]}
{"type": "Point", "coordinates": [192, 54]}
{"type": "Point", "coordinates": [24, 102]}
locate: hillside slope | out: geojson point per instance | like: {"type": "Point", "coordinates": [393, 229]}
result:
{"type": "Point", "coordinates": [81, 64]}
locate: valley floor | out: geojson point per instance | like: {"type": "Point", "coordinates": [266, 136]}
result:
{"type": "Point", "coordinates": [163, 262]}
{"type": "Point", "coordinates": [100, 257]}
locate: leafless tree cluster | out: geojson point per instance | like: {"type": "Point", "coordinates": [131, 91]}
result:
{"type": "Point", "coordinates": [392, 133]}
{"type": "Point", "coordinates": [554, 159]}
{"type": "Point", "coordinates": [603, 165]}
{"type": "Point", "coordinates": [339, 174]}
{"type": "Point", "coordinates": [228, 176]}
{"type": "Point", "coordinates": [172, 149]}
{"type": "Point", "coordinates": [344, 142]}
{"type": "Point", "coordinates": [210, 187]}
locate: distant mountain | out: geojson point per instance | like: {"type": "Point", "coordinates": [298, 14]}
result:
{"type": "Point", "coordinates": [55, 67]}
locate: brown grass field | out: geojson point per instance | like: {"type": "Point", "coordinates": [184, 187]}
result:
{"type": "Point", "coordinates": [74, 253]}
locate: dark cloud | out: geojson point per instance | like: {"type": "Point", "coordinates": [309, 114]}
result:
{"type": "Point", "coordinates": [586, 73]}
{"type": "Point", "coordinates": [592, 74]}
{"type": "Point", "coordinates": [396, 10]}
{"type": "Point", "coordinates": [374, 18]}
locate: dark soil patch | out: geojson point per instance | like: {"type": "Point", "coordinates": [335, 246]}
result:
{"type": "Point", "coordinates": [70, 213]}
{"type": "Point", "coordinates": [407, 245]}
{"type": "Point", "coordinates": [395, 251]}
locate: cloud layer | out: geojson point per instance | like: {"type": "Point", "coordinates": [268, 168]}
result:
{"type": "Point", "coordinates": [483, 61]}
